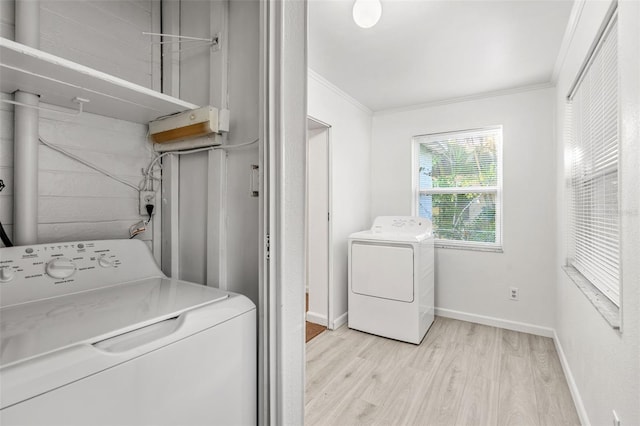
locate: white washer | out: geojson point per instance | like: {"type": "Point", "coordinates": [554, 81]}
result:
{"type": "Point", "coordinates": [93, 333]}
{"type": "Point", "coordinates": [391, 278]}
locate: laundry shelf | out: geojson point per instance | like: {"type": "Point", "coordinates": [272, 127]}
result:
{"type": "Point", "coordinates": [58, 81]}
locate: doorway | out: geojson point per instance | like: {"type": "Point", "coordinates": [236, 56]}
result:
{"type": "Point", "coordinates": [318, 238]}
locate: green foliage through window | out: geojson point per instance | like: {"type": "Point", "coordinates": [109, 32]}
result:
{"type": "Point", "coordinates": [459, 183]}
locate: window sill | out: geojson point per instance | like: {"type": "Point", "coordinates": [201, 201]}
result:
{"type": "Point", "coordinates": [457, 246]}
{"type": "Point", "coordinates": [609, 311]}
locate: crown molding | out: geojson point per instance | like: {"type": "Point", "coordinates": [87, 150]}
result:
{"type": "Point", "coordinates": [320, 79]}
{"type": "Point", "coordinates": [569, 32]}
{"type": "Point", "coordinates": [474, 97]}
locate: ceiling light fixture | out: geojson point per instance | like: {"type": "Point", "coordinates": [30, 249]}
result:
{"type": "Point", "coordinates": [367, 13]}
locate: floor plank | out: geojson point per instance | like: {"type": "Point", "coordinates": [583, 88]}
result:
{"type": "Point", "coordinates": [552, 391]}
{"type": "Point", "coordinates": [517, 404]}
{"type": "Point", "coordinates": [462, 374]}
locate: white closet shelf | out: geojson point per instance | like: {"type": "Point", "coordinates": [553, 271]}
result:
{"type": "Point", "coordinates": [58, 81]}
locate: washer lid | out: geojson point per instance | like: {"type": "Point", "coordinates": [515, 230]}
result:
{"type": "Point", "coordinates": [31, 329]}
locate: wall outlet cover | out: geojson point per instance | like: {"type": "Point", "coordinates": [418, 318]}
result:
{"type": "Point", "coordinates": [514, 293]}
{"type": "Point", "coordinates": [146, 197]}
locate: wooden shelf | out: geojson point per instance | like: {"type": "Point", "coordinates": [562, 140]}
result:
{"type": "Point", "coordinates": [58, 81]}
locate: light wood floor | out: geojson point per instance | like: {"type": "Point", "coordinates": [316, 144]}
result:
{"type": "Point", "coordinates": [461, 374]}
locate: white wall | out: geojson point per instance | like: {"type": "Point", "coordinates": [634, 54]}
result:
{"type": "Point", "coordinates": [604, 363]}
{"type": "Point", "coordinates": [350, 138]}
{"type": "Point", "coordinates": [76, 202]}
{"type": "Point", "coordinates": [472, 282]}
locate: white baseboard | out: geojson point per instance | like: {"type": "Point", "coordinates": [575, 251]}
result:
{"type": "Point", "coordinates": [340, 321]}
{"type": "Point", "coordinates": [317, 318]}
{"type": "Point", "coordinates": [496, 322]}
{"type": "Point", "coordinates": [573, 388]}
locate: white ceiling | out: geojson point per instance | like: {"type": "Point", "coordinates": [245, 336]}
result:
{"type": "Point", "coordinates": [431, 50]}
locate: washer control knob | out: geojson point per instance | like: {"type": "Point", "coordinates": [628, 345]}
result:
{"type": "Point", "coordinates": [6, 274]}
{"type": "Point", "coordinates": [104, 262]}
{"type": "Point", "coordinates": [60, 268]}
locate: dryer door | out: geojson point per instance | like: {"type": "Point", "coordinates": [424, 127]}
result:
{"type": "Point", "coordinates": [382, 270]}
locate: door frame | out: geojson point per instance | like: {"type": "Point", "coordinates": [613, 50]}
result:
{"type": "Point", "coordinates": [319, 124]}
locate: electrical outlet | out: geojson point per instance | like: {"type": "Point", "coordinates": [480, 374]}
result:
{"type": "Point", "coordinates": [146, 197]}
{"type": "Point", "coordinates": [514, 293]}
{"type": "Point", "coordinates": [616, 419]}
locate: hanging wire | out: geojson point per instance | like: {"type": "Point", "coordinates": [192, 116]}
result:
{"type": "Point", "coordinates": [86, 163]}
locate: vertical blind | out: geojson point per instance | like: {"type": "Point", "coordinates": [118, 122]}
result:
{"type": "Point", "coordinates": [594, 246]}
{"type": "Point", "coordinates": [459, 185]}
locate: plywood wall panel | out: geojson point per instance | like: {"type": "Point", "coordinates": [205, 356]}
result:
{"type": "Point", "coordinates": [7, 13]}
{"type": "Point", "coordinates": [71, 184]}
{"type": "Point", "coordinates": [49, 233]}
{"type": "Point", "coordinates": [6, 209]}
{"type": "Point", "coordinates": [83, 33]}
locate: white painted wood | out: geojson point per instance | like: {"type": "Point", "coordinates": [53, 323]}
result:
{"type": "Point", "coordinates": [318, 222]}
{"type": "Point", "coordinates": [156, 49]}
{"type": "Point", "coordinates": [7, 13]}
{"type": "Point", "coordinates": [170, 219]}
{"type": "Point", "coordinates": [58, 81]}
{"type": "Point", "coordinates": [170, 51]}
{"type": "Point", "coordinates": [215, 216]}
{"type": "Point", "coordinates": [339, 321]}
{"type": "Point", "coordinates": [317, 318]}
{"type": "Point", "coordinates": [52, 232]}
{"type": "Point", "coordinates": [6, 209]}
{"type": "Point", "coordinates": [72, 31]}
{"type": "Point", "coordinates": [170, 63]}
{"type": "Point", "coordinates": [80, 203]}
{"type": "Point", "coordinates": [196, 75]}
{"type": "Point", "coordinates": [218, 62]}
{"type": "Point", "coordinates": [571, 382]}
{"type": "Point", "coordinates": [57, 183]}
{"type": "Point", "coordinates": [286, 116]}
{"type": "Point", "coordinates": [495, 322]}
{"type": "Point", "coordinates": [6, 174]}
{"type": "Point", "coordinates": [193, 217]}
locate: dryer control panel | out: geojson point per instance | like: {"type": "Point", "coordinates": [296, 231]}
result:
{"type": "Point", "coordinates": [401, 224]}
{"type": "Point", "coordinates": [47, 270]}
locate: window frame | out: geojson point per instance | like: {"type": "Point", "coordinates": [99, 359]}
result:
{"type": "Point", "coordinates": [498, 189]}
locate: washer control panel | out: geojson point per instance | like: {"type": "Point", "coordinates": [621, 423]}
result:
{"type": "Point", "coordinates": [49, 270]}
{"type": "Point", "coordinates": [59, 262]}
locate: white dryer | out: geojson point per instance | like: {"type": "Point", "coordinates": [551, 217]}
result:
{"type": "Point", "coordinates": [93, 333]}
{"type": "Point", "coordinates": [391, 278]}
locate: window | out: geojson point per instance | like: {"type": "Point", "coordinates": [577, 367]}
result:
{"type": "Point", "coordinates": [459, 186]}
{"type": "Point", "coordinates": [593, 202]}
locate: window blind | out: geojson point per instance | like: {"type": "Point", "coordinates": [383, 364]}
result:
{"type": "Point", "coordinates": [459, 185]}
{"type": "Point", "coordinates": [594, 246]}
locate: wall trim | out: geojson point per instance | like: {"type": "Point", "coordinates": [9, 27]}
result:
{"type": "Point", "coordinates": [329, 85]}
{"type": "Point", "coordinates": [340, 321]}
{"type": "Point", "coordinates": [567, 39]}
{"type": "Point", "coordinates": [317, 318]}
{"type": "Point", "coordinates": [573, 388]}
{"type": "Point", "coordinates": [496, 322]}
{"type": "Point", "coordinates": [477, 96]}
